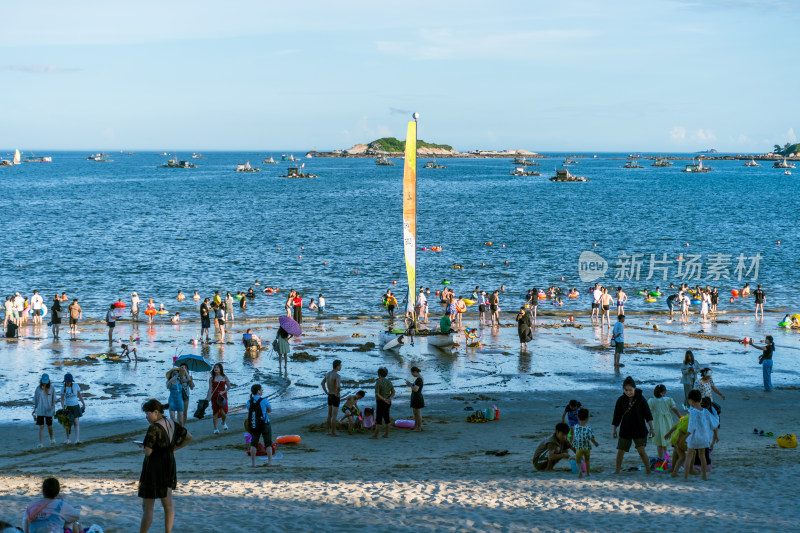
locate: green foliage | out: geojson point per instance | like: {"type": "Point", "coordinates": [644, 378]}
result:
{"type": "Point", "coordinates": [788, 149]}
{"type": "Point", "coordinates": [391, 144]}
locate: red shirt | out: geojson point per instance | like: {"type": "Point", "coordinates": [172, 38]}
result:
{"type": "Point", "coordinates": [298, 302]}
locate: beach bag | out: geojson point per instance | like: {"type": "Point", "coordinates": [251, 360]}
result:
{"type": "Point", "coordinates": [787, 441]}
{"type": "Point", "coordinates": [488, 413]}
{"type": "Point", "coordinates": [200, 412]}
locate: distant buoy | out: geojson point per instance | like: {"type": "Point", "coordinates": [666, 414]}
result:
{"type": "Point", "coordinates": [302, 247]}
{"type": "Point", "coordinates": [687, 244]}
{"type": "Point", "coordinates": [595, 245]}
{"type": "Point", "coordinates": [394, 283]}
{"type": "Point", "coordinates": [680, 258]}
{"type": "Point", "coordinates": [779, 243]}
{"type": "Point", "coordinates": [299, 256]}
{"type": "Point", "coordinates": [504, 246]}
{"type": "Point", "coordinates": [746, 340]}
{"type": "Point", "coordinates": [355, 272]}
{"type": "Point", "coordinates": [279, 249]}
{"type": "Point", "coordinates": [489, 243]}
{"type": "Point", "coordinates": [437, 293]}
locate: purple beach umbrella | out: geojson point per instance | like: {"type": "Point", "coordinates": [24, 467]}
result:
{"type": "Point", "coordinates": [290, 326]}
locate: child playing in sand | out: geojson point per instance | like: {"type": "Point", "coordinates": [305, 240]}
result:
{"type": "Point", "coordinates": [662, 407]}
{"type": "Point", "coordinates": [678, 441]}
{"type": "Point", "coordinates": [571, 414]}
{"type": "Point", "coordinates": [551, 451]}
{"type": "Point", "coordinates": [700, 435]}
{"type": "Point", "coordinates": [369, 418]}
{"type": "Point", "coordinates": [127, 350]}
{"type": "Point", "coordinates": [582, 439]}
{"type": "Point", "coordinates": [351, 410]}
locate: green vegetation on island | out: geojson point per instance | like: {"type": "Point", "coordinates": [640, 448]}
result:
{"type": "Point", "coordinates": [788, 149]}
{"type": "Point", "coordinates": [391, 144]}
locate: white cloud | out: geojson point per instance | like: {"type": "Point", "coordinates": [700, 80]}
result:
{"type": "Point", "coordinates": [790, 136]}
{"type": "Point", "coordinates": [677, 133]}
{"type": "Point", "coordinates": [704, 136]}
{"type": "Point", "coordinates": [37, 69]}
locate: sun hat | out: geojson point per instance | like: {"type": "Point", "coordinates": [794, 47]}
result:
{"type": "Point", "coordinates": [45, 379]}
{"type": "Point", "coordinates": [68, 378]}
{"type": "Point", "coordinates": [176, 369]}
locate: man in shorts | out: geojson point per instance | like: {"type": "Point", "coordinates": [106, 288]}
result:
{"type": "Point", "coordinates": [332, 386]}
{"type": "Point", "coordinates": [111, 322]}
{"type": "Point", "coordinates": [384, 392]}
{"type": "Point", "coordinates": [618, 337]}
{"type": "Point", "coordinates": [36, 305]}
{"type": "Point", "coordinates": [671, 304]}
{"type": "Point", "coordinates": [75, 314]}
{"type": "Point", "coordinates": [262, 430]}
{"type": "Point", "coordinates": [205, 321]}
{"type": "Point", "coordinates": [596, 295]}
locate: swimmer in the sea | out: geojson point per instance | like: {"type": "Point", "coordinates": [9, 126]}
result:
{"type": "Point", "coordinates": [256, 282]}
{"type": "Point", "coordinates": [196, 297]}
{"type": "Point", "coordinates": [180, 297]}
{"type": "Point", "coordinates": [176, 319]}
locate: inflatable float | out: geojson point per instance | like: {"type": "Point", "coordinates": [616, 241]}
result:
{"type": "Point", "coordinates": [654, 293]}
{"type": "Point", "coordinates": [120, 305]}
{"type": "Point", "coordinates": [150, 312]}
{"type": "Point", "coordinates": [650, 300]}
{"type": "Point", "coordinates": [735, 293]}
{"type": "Point", "coordinates": [288, 439]}
{"type": "Point", "coordinates": [468, 302]}
{"type": "Point", "coordinates": [404, 423]}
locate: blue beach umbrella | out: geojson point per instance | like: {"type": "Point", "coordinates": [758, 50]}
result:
{"type": "Point", "coordinates": [194, 363]}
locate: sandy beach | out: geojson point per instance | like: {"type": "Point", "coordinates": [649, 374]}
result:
{"type": "Point", "coordinates": [441, 479]}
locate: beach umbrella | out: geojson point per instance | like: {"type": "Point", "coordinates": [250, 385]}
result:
{"type": "Point", "coordinates": [290, 326]}
{"type": "Point", "coordinates": [195, 363]}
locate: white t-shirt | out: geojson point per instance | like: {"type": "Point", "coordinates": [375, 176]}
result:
{"type": "Point", "coordinates": [19, 303]}
{"type": "Point", "coordinates": [36, 301]}
{"type": "Point", "coordinates": [321, 302]}
{"type": "Point", "coordinates": [71, 394]}
{"type": "Point", "coordinates": [421, 300]}
{"type": "Point", "coordinates": [135, 302]}
{"type": "Point", "coordinates": [596, 295]}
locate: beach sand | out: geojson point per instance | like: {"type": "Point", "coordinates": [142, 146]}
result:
{"type": "Point", "coordinates": [440, 479]}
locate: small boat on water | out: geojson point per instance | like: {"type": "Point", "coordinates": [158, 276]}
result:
{"type": "Point", "coordinates": [38, 159]}
{"type": "Point", "coordinates": [246, 168]}
{"type": "Point", "coordinates": [632, 164]}
{"type": "Point", "coordinates": [290, 157]}
{"type": "Point", "coordinates": [751, 163]}
{"type": "Point", "coordinates": [787, 172]}
{"type": "Point", "coordinates": [269, 161]}
{"type": "Point", "coordinates": [564, 175]}
{"type": "Point", "coordinates": [175, 163]}
{"type": "Point", "coordinates": [383, 161]}
{"type": "Point", "coordinates": [520, 171]}
{"type": "Point", "coordinates": [100, 158]}
{"type": "Point", "coordinates": [521, 161]}
{"type": "Point", "coordinates": [432, 164]}
{"type": "Point", "coordinates": [783, 164]}
{"type": "Point", "coordinates": [569, 161]}
{"type": "Point", "coordinates": [197, 156]}
{"type": "Point", "coordinates": [662, 163]}
{"type": "Point", "coordinates": [296, 172]}
{"type": "Point", "coordinates": [696, 168]}
{"type": "Point", "coordinates": [10, 163]}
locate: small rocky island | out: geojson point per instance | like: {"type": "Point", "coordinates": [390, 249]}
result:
{"type": "Point", "coordinates": [392, 147]}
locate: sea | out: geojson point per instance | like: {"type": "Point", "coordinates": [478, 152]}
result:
{"type": "Point", "coordinates": [101, 230]}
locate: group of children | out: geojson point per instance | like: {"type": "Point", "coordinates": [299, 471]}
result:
{"type": "Point", "coordinates": [691, 438]}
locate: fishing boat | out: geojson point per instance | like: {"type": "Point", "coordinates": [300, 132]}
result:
{"type": "Point", "coordinates": [783, 164]}
{"type": "Point", "coordinates": [520, 171]}
{"type": "Point", "coordinates": [197, 156]}
{"type": "Point", "coordinates": [696, 167]}
{"type": "Point", "coordinates": [296, 172]}
{"type": "Point", "coordinates": [632, 164]}
{"type": "Point", "coordinates": [432, 164]}
{"type": "Point", "coordinates": [38, 159]}
{"type": "Point", "coordinates": [269, 161]}
{"type": "Point", "coordinates": [290, 157]}
{"type": "Point", "coordinates": [100, 158]}
{"type": "Point", "coordinates": [6, 163]}
{"type": "Point", "coordinates": [246, 168]}
{"type": "Point", "coordinates": [569, 161]}
{"type": "Point", "coordinates": [175, 163]}
{"type": "Point", "coordinates": [564, 175]}
{"type": "Point", "coordinates": [521, 161]}
{"type": "Point", "coordinates": [662, 163]}
{"type": "Point", "coordinates": [787, 172]}
{"type": "Point", "coordinates": [383, 161]}
{"type": "Point", "coordinates": [14, 161]}
{"type": "Point", "coordinates": [751, 163]}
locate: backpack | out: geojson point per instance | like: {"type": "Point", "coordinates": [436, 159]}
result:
{"type": "Point", "coordinates": [255, 417]}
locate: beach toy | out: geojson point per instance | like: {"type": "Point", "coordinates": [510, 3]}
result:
{"type": "Point", "coordinates": [468, 302]}
{"type": "Point", "coordinates": [639, 293]}
{"type": "Point", "coordinates": [150, 312]}
{"type": "Point", "coordinates": [404, 423]}
{"type": "Point", "coordinates": [746, 340]}
{"type": "Point", "coordinates": [288, 439]}
{"type": "Point", "coordinates": [445, 282]}
{"type": "Point", "coordinates": [787, 441]}
{"type": "Point", "coordinates": [542, 296]}
{"type": "Point", "coordinates": [795, 316]}
{"type": "Point", "coordinates": [164, 312]}
{"type": "Point", "coordinates": [572, 464]}
{"type": "Point", "coordinates": [651, 300]}
{"type": "Point", "coordinates": [119, 305]}
{"type": "Point", "coordinates": [654, 293]}
{"type": "Point", "coordinates": [734, 293]}
{"type": "Point", "coordinates": [695, 302]}
{"type": "Point", "coordinates": [784, 324]}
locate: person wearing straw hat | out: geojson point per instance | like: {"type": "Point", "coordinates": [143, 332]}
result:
{"type": "Point", "coordinates": [70, 397]}
{"type": "Point", "coordinates": [175, 379]}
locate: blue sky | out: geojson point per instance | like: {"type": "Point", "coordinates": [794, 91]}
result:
{"type": "Point", "coordinates": [660, 75]}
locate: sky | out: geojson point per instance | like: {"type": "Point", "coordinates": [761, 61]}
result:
{"type": "Point", "coordinates": [659, 75]}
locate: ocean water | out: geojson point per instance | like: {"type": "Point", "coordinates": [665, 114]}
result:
{"type": "Point", "coordinates": [102, 230]}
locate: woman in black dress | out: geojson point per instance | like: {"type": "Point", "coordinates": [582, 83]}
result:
{"type": "Point", "coordinates": [524, 328]}
{"type": "Point", "coordinates": [159, 475]}
{"type": "Point", "coordinates": [417, 401]}
{"type": "Point", "coordinates": [632, 416]}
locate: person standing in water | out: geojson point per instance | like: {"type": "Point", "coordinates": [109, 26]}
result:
{"type": "Point", "coordinates": [55, 316]}
{"type": "Point", "coordinates": [760, 300]}
{"type": "Point", "coordinates": [111, 322]}
{"type": "Point", "coordinates": [384, 392]}
{"type": "Point", "coordinates": [135, 301]}
{"type": "Point", "coordinates": [622, 299]}
{"type": "Point", "coordinates": [618, 337]}
{"type": "Point", "coordinates": [228, 307]}
{"type": "Point", "coordinates": [205, 321]}
{"type": "Point", "coordinates": [494, 308]}
{"type": "Point", "coordinates": [606, 301]}
{"type": "Point", "coordinates": [524, 328]}
{"type": "Point", "coordinates": [36, 303]}
{"type": "Point", "coordinates": [332, 386]}
{"type": "Point", "coordinates": [75, 314]}
{"type": "Point", "coordinates": [298, 308]}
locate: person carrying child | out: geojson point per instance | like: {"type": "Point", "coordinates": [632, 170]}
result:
{"type": "Point", "coordinates": [582, 439]}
